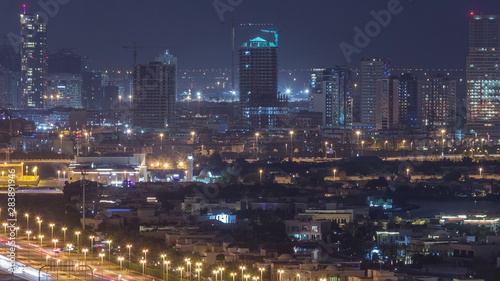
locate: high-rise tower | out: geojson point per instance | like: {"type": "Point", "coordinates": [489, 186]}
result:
{"type": "Point", "coordinates": [261, 103]}
{"type": "Point", "coordinates": [155, 92]}
{"type": "Point", "coordinates": [34, 57]}
{"type": "Point", "coordinates": [371, 70]}
{"type": "Point", "coordinates": [483, 75]}
{"type": "Point", "coordinates": [330, 93]}
{"type": "Point", "coordinates": [437, 96]}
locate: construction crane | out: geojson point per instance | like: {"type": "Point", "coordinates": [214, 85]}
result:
{"type": "Point", "coordinates": [135, 47]}
{"type": "Point", "coordinates": [275, 32]}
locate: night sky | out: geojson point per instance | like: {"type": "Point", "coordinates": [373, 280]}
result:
{"type": "Point", "coordinates": [426, 34]}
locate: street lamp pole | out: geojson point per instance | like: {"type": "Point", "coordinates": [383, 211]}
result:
{"type": "Point", "coordinates": [291, 145]}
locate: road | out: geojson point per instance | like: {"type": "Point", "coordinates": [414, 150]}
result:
{"type": "Point", "coordinates": [62, 266]}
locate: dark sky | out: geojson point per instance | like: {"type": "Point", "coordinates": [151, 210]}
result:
{"type": "Point", "coordinates": [426, 34]}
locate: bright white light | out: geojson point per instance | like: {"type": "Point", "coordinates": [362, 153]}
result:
{"type": "Point", "coordinates": [288, 91]}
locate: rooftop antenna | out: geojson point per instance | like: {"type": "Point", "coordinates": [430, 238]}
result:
{"type": "Point", "coordinates": [24, 9]}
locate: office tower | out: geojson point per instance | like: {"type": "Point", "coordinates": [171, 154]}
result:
{"type": "Point", "coordinates": [408, 101]}
{"type": "Point", "coordinates": [483, 75]}
{"type": "Point", "coordinates": [33, 61]}
{"type": "Point", "coordinates": [371, 70]}
{"type": "Point", "coordinates": [65, 61]}
{"type": "Point", "coordinates": [437, 103]}
{"type": "Point", "coordinates": [92, 91]}
{"type": "Point", "coordinates": [261, 103]}
{"type": "Point", "coordinates": [330, 93]}
{"type": "Point", "coordinates": [387, 103]}
{"type": "Point", "coordinates": [153, 104]}
{"type": "Point", "coordinates": [64, 90]}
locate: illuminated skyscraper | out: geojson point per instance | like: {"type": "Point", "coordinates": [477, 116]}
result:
{"type": "Point", "coordinates": [408, 101]}
{"type": "Point", "coordinates": [330, 93]}
{"type": "Point", "coordinates": [371, 70]}
{"type": "Point", "coordinates": [437, 104]}
{"type": "Point", "coordinates": [387, 103]}
{"type": "Point", "coordinates": [34, 57]}
{"type": "Point", "coordinates": [154, 93]}
{"type": "Point", "coordinates": [261, 103]}
{"type": "Point", "coordinates": [483, 75]}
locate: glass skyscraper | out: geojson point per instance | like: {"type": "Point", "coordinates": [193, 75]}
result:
{"type": "Point", "coordinates": [34, 67]}
{"type": "Point", "coordinates": [261, 103]}
{"type": "Point", "coordinates": [483, 75]}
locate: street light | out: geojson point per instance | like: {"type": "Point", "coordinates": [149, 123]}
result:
{"type": "Point", "coordinates": [129, 247]}
{"type": "Point", "coordinates": [161, 142]}
{"type": "Point", "coordinates": [198, 273]}
{"type": "Point", "coordinates": [362, 147]}
{"type": "Point", "coordinates": [39, 221]}
{"type": "Point", "coordinates": [60, 146]}
{"type": "Point", "coordinates": [27, 220]}
{"type": "Point", "coordinates": [256, 144]}
{"type": "Point", "coordinates": [41, 242]}
{"type": "Point", "coordinates": [358, 134]}
{"type": "Point", "coordinates": [167, 263]}
{"type": "Point", "coordinates": [232, 274]}
{"type": "Point", "coordinates": [85, 255]}
{"type": "Point", "coordinates": [215, 272]}
{"type": "Point", "coordinates": [52, 230]}
{"type": "Point", "coordinates": [260, 175]}
{"type": "Point", "coordinates": [334, 174]}
{"type": "Point", "coordinates": [55, 242]}
{"type": "Point", "coordinates": [407, 172]}
{"type": "Point", "coordinates": [101, 255]}
{"type": "Point", "coordinates": [291, 145]}
{"type": "Point", "coordinates": [326, 149]}
{"type": "Point", "coordinates": [242, 268]}
{"type": "Point", "coordinates": [480, 172]}
{"type": "Point", "coordinates": [109, 249]}
{"type": "Point", "coordinates": [180, 269]}
{"type": "Point", "coordinates": [92, 244]}
{"type": "Point", "coordinates": [145, 251]}
{"type": "Point", "coordinates": [261, 269]}
{"type": "Point", "coordinates": [28, 246]}
{"type": "Point", "coordinates": [64, 234]}
{"type": "Point", "coordinates": [281, 271]}
{"type": "Point", "coordinates": [77, 233]}
{"type": "Point", "coordinates": [120, 259]}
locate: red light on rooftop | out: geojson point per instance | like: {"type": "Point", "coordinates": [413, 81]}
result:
{"type": "Point", "coordinates": [472, 13]}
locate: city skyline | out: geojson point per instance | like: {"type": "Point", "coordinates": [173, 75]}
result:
{"type": "Point", "coordinates": [103, 38]}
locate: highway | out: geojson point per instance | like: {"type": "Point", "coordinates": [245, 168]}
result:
{"type": "Point", "coordinates": [61, 266]}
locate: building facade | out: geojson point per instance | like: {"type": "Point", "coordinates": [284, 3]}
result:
{"type": "Point", "coordinates": [371, 70]}
{"type": "Point", "coordinates": [408, 101]}
{"type": "Point", "coordinates": [483, 75]}
{"type": "Point", "coordinates": [387, 103]}
{"type": "Point", "coordinates": [64, 90]}
{"type": "Point", "coordinates": [437, 97]}
{"type": "Point", "coordinates": [154, 93]}
{"type": "Point", "coordinates": [330, 93]}
{"type": "Point", "coordinates": [261, 103]}
{"type": "Point", "coordinates": [34, 67]}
